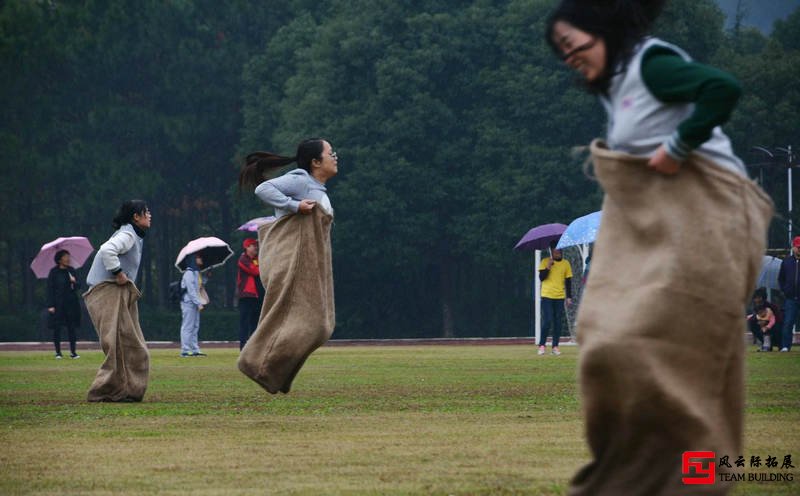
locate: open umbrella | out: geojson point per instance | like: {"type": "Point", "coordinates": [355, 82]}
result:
{"type": "Point", "coordinates": [213, 250]}
{"type": "Point", "coordinates": [252, 225]}
{"type": "Point", "coordinates": [539, 237]}
{"type": "Point", "coordinates": [768, 277]}
{"type": "Point", "coordinates": [79, 249]}
{"type": "Point", "coordinates": [581, 230]}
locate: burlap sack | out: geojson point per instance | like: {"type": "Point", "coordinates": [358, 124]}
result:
{"type": "Point", "coordinates": [115, 314]}
{"type": "Point", "coordinates": [298, 315]}
{"type": "Point", "coordinates": [661, 324]}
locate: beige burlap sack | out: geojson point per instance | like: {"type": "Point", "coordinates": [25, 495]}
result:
{"type": "Point", "coordinates": [298, 314]}
{"type": "Point", "coordinates": [115, 314]}
{"type": "Point", "coordinates": [661, 323]}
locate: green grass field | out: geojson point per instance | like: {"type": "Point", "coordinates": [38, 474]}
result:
{"type": "Point", "coordinates": [360, 420]}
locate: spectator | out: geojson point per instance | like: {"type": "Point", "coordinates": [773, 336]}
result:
{"type": "Point", "coordinates": [62, 302]}
{"type": "Point", "coordinates": [789, 281]}
{"type": "Point", "coordinates": [249, 290]}
{"type": "Point", "coordinates": [764, 322]}
{"type": "Point", "coordinates": [193, 302]}
{"type": "Point", "coordinates": [556, 276]}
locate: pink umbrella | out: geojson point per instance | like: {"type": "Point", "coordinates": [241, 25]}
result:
{"type": "Point", "coordinates": [252, 225]}
{"type": "Point", "coordinates": [79, 249]}
{"type": "Point", "coordinates": [213, 250]}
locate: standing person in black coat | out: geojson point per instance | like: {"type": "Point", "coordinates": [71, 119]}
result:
{"type": "Point", "coordinates": [62, 302]}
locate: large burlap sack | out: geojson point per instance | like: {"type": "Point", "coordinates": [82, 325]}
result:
{"type": "Point", "coordinates": [661, 323]}
{"type": "Point", "coordinates": [114, 312]}
{"type": "Point", "coordinates": [298, 314]}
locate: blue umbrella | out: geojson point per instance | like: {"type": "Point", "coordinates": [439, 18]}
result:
{"type": "Point", "coordinates": [768, 278]}
{"type": "Point", "coordinates": [581, 231]}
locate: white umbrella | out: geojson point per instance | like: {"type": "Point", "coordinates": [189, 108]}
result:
{"type": "Point", "coordinates": [214, 252]}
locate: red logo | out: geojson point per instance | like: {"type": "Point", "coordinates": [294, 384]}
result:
{"type": "Point", "coordinates": [691, 460]}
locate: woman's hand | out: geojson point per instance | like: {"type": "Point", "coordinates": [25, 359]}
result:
{"type": "Point", "coordinates": [52, 309]}
{"type": "Point", "coordinates": [122, 279]}
{"type": "Point", "coordinates": [306, 206]}
{"type": "Point", "coordinates": [72, 279]}
{"type": "Point", "coordinates": [662, 162]}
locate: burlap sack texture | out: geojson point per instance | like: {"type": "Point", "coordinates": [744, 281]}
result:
{"type": "Point", "coordinates": [661, 324]}
{"type": "Point", "coordinates": [298, 314]}
{"type": "Point", "coordinates": [114, 312]}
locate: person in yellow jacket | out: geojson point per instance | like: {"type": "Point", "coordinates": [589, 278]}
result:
{"type": "Point", "coordinates": [556, 276]}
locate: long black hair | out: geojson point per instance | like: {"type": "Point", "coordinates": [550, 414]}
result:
{"type": "Point", "coordinates": [622, 24]}
{"type": "Point", "coordinates": [257, 164]}
{"type": "Point", "coordinates": [126, 211]}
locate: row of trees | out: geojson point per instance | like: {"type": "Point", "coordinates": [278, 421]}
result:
{"type": "Point", "coordinates": [455, 126]}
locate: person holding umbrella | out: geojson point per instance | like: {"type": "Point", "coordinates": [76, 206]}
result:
{"type": "Point", "coordinates": [112, 302]}
{"type": "Point", "coordinates": [195, 260]}
{"type": "Point", "coordinates": [660, 324]}
{"type": "Point", "coordinates": [249, 290]}
{"type": "Point", "coordinates": [62, 302]}
{"type": "Point", "coordinates": [193, 302]}
{"type": "Point", "coordinates": [556, 275]}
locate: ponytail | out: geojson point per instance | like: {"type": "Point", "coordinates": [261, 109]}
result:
{"type": "Point", "coordinates": [257, 164]}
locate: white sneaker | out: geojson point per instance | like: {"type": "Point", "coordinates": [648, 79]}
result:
{"type": "Point", "coordinates": [555, 351]}
{"type": "Point", "coordinates": [74, 356]}
{"type": "Point", "coordinates": [784, 350]}
{"type": "Point", "coordinates": [541, 350]}
{"type": "Point", "coordinates": [58, 356]}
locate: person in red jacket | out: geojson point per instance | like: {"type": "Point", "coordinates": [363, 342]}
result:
{"type": "Point", "coordinates": [249, 290]}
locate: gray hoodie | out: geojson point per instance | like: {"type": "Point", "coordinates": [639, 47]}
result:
{"type": "Point", "coordinates": [123, 251]}
{"type": "Point", "coordinates": [285, 192]}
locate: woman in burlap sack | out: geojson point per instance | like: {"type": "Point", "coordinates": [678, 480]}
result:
{"type": "Point", "coordinates": [298, 314]}
{"type": "Point", "coordinates": [676, 258]}
{"type": "Point", "coordinates": [112, 304]}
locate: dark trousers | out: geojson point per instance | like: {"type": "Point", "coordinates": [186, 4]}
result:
{"type": "Point", "coordinates": [774, 333]}
{"type": "Point", "coordinates": [552, 314]}
{"type": "Point", "coordinates": [57, 337]}
{"type": "Point", "coordinates": [249, 311]}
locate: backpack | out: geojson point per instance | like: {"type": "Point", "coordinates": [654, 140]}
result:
{"type": "Point", "coordinates": [175, 292]}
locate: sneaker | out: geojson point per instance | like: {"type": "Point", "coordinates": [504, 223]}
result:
{"type": "Point", "coordinates": [58, 356]}
{"type": "Point", "coordinates": [541, 350]}
{"type": "Point", "coordinates": [555, 351]}
{"type": "Point", "coordinates": [784, 350]}
{"type": "Point", "coordinates": [197, 353]}
{"type": "Point", "coordinates": [185, 355]}
{"type": "Point", "coordinates": [74, 356]}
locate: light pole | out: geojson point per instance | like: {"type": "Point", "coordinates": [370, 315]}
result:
{"type": "Point", "coordinates": [789, 165]}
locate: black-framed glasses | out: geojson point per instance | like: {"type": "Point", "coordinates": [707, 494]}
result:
{"type": "Point", "coordinates": [581, 48]}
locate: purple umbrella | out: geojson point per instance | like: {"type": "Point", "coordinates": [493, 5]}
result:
{"type": "Point", "coordinates": [540, 237]}
{"type": "Point", "coordinates": [79, 249]}
{"type": "Point", "coordinates": [252, 225]}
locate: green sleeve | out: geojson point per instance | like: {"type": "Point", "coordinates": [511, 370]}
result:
{"type": "Point", "coordinates": [672, 79]}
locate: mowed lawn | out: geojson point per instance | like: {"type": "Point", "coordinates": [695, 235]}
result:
{"type": "Point", "coordinates": [360, 420]}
